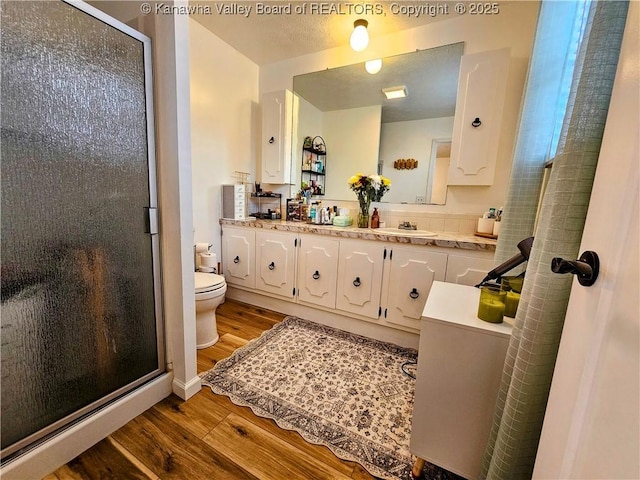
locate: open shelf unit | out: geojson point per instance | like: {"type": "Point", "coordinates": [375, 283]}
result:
{"type": "Point", "coordinates": [314, 166]}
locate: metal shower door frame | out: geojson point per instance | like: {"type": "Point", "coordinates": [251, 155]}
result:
{"type": "Point", "coordinates": [43, 434]}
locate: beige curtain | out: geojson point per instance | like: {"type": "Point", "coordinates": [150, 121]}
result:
{"type": "Point", "coordinates": [528, 369]}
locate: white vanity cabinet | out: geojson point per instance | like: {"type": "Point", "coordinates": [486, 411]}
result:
{"type": "Point", "coordinates": [276, 262]}
{"type": "Point", "coordinates": [360, 268]}
{"type": "Point", "coordinates": [384, 283]}
{"type": "Point", "coordinates": [408, 281]}
{"type": "Point", "coordinates": [277, 124]}
{"type": "Point", "coordinates": [238, 256]}
{"type": "Point", "coordinates": [478, 118]}
{"type": "Point", "coordinates": [317, 270]}
{"type": "Point", "coordinates": [467, 270]}
{"type": "Point", "coordinates": [458, 378]}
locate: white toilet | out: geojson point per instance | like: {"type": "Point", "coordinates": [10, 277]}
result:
{"type": "Point", "coordinates": [210, 290]}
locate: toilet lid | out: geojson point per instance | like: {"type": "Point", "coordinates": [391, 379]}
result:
{"type": "Point", "coordinates": [206, 282]}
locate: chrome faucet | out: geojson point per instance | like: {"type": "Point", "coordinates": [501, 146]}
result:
{"type": "Point", "coordinates": [407, 226]}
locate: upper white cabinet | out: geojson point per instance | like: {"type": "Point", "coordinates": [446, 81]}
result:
{"type": "Point", "coordinates": [411, 273]}
{"type": "Point", "coordinates": [360, 277]}
{"type": "Point", "coordinates": [478, 117]}
{"type": "Point", "coordinates": [238, 256]}
{"type": "Point", "coordinates": [276, 262]}
{"type": "Point", "coordinates": [277, 124]}
{"type": "Point", "coordinates": [318, 270]}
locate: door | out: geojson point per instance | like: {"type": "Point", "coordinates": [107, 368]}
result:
{"type": "Point", "coordinates": [276, 262]}
{"type": "Point", "coordinates": [238, 253]}
{"type": "Point", "coordinates": [81, 319]}
{"type": "Point", "coordinates": [412, 272]}
{"type": "Point", "coordinates": [591, 427]}
{"type": "Point", "coordinates": [318, 270]}
{"type": "Point", "coordinates": [360, 277]}
{"type": "Point", "coordinates": [476, 128]}
{"type": "Point", "coordinates": [465, 270]}
{"type": "Point", "coordinates": [277, 113]}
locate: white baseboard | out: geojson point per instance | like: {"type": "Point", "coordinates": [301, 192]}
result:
{"type": "Point", "coordinates": [70, 443]}
{"type": "Point", "coordinates": [327, 317]}
{"type": "Point", "coordinates": [186, 390]}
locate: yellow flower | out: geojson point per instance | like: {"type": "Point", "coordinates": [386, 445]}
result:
{"type": "Point", "coordinates": [354, 179]}
{"type": "Point", "coordinates": [385, 181]}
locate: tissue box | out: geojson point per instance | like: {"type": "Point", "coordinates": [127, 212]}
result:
{"type": "Point", "coordinates": [342, 221]}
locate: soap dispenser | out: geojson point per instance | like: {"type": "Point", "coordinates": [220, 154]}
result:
{"type": "Point", "coordinates": [375, 219]}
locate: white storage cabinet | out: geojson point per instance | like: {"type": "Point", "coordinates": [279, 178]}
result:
{"type": "Point", "coordinates": [276, 262]}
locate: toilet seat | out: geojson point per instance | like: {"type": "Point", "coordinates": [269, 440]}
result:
{"type": "Point", "coordinates": [208, 282]}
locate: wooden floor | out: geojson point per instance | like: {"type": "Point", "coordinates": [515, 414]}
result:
{"type": "Point", "coordinates": [208, 437]}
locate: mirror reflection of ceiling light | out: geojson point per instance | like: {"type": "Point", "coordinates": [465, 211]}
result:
{"type": "Point", "coordinates": [359, 37]}
{"type": "Point", "coordinates": [373, 66]}
{"type": "Point", "coordinates": [395, 92]}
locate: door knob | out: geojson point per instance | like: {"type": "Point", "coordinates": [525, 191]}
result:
{"type": "Point", "coordinates": [586, 268]}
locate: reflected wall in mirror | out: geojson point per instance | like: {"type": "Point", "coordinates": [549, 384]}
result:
{"type": "Point", "coordinates": [367, 133]}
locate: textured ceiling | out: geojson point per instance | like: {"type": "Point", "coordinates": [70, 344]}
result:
{"type": "Point", "coordinates": [270, 38]}
{"type": "Point", "coordinates": [265, 38]}
{"type": "Point", "coordinates": [431, 78]}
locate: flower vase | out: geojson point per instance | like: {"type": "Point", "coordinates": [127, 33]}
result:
{"type": "Point", "coordinates": [363, 220]}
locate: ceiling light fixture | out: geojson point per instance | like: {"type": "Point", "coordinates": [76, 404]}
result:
{"type": "Point", "coordinates": [359, 37]}
{"type": "Point", "coordinates": [373, 66]}
{"type": "Point", "coordinates": [395, 92]}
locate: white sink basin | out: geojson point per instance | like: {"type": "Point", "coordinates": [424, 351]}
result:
{"type": "Point", "coordinates": [406, 233]}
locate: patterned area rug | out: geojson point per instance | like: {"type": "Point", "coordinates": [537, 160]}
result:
{"type": "Point", "coordinates": [337, 389]}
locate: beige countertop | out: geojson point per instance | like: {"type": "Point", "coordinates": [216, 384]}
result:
{"type": "Point", "coordinates": [441, 239]}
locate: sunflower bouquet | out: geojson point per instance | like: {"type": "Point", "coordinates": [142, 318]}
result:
{"type": "Point", "coordinates": [368, 188]}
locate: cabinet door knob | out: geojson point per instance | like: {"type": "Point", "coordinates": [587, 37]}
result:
{"type": "Point", "coordinates": [272, 266]}
{"type": "Point", "coordinates": [414, 294]}
{"type": "Point", "coordinates": [316, 275]}
{"type": "Point", "coordinates": [356, 282]}
{"type": "Point", "coordinates": [236, 260]}
{"type": "Point", "coordinates": [271, 140]}
{"type": "Point", "coordinates": [476, 123]}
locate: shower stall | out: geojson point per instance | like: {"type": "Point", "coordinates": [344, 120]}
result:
{"type": "Point", "coordinates": [81, 319]}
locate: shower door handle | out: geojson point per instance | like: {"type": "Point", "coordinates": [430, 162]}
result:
{"type": "Point", "coordinates": [151, 220]}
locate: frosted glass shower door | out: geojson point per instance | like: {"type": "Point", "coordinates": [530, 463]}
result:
{"type": "Point", "coordinates": [80, 317]}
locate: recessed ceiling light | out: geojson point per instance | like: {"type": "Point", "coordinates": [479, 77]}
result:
{"type": "Point", "coordinates": [373, 66]}
{"type": "Point", "coordinates": [395, 92]}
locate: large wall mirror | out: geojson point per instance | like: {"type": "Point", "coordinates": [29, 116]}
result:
{"type": "Point", "coordinates": [405, 139]}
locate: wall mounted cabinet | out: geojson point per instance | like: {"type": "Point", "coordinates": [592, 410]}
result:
{"type": "Point", "coordinates": [478, 118]}
{"type": "Point", "coordinates": [277, 124]}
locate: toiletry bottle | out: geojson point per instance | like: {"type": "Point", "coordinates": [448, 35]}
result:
{"type": "Point", "coordinates": [312, 214]}
{"type": "Point", "coordinates": [375, 219]}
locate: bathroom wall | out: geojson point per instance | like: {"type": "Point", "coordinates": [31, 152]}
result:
{"type": "Point", "coordinates": [410, 139]}
{"type": "Point", "coordinates": [352, 138]}
{"type": "Point", "coordinates": [513, 27]}
{"type": "Point", "coordinates": [225, 123]}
